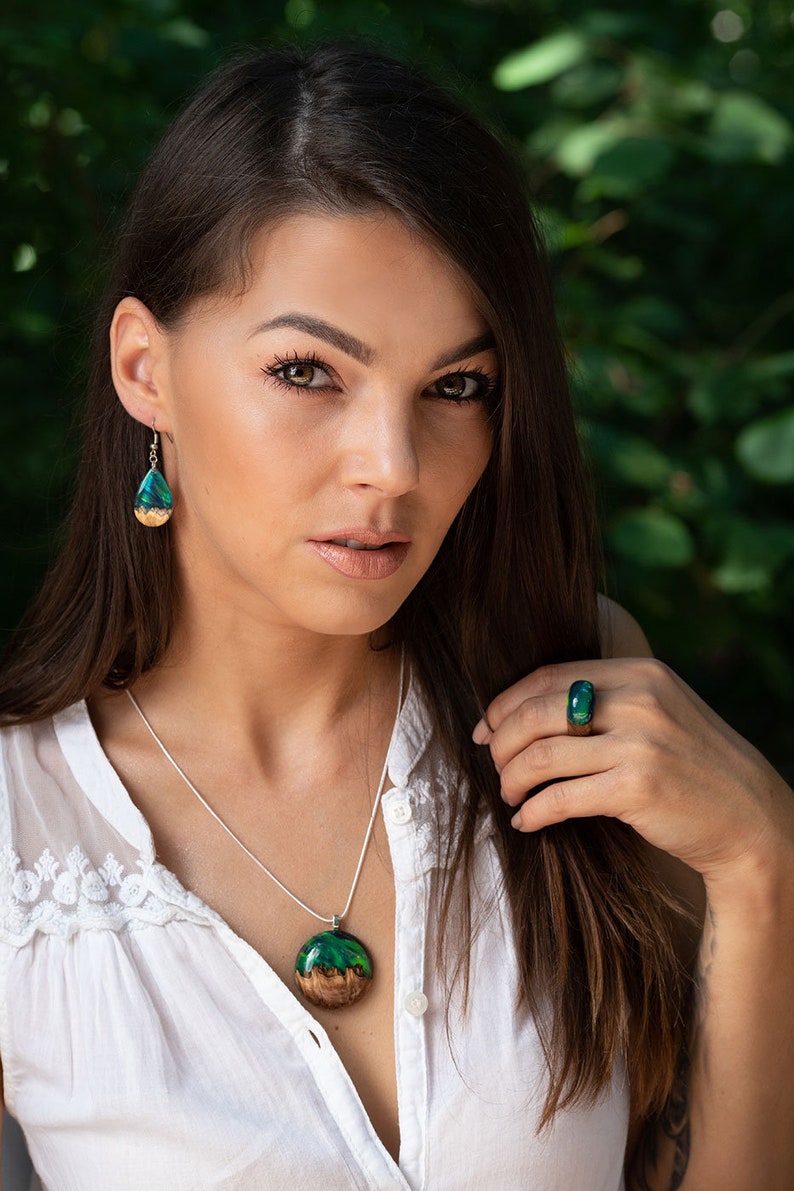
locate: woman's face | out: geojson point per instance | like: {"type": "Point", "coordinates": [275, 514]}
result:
{"type": "Point", "coordinates": [340, 403]}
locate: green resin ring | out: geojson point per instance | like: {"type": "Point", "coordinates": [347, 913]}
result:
{"type": "Point", "coordinates": [580, 708]}
{"type": "Point", "coordinates": [333, 969]}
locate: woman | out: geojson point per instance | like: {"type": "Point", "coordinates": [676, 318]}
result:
{"type": "Point", "coordinates": [243, 731]}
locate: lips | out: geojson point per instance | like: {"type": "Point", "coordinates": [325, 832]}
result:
{"type": "Point", "coordinates": [363, 553]}
{"type": "Point", "coordinates": [353, 544]}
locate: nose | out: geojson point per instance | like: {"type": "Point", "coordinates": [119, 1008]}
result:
{"type": "Point", "coordinates": [381, 449]}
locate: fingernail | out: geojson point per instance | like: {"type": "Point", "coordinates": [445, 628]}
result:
{"type": "Point", "coordinates": [482, 733]}
{"type": "Point", "coordinates": [516, 820]}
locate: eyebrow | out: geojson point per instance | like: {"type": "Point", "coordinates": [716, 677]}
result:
{"type": "Point", "coordinates": [359, 350]}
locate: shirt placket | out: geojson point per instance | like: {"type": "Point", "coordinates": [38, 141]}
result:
{"type": "Point", "coordinates": [412, 1007]}
{"type": "Point", "coordinates": [377, 1169]}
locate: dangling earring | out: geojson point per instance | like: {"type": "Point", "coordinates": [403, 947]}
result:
{"type": "Point", "coordinates": [154, 503]}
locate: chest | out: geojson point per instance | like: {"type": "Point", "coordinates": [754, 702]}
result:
{"type": "Point", "coordinates": [172, 1037]}
{"type": "Point", "coordinates": [177, 1039]}
{"type": "Point", "coordinates": [316, 860]}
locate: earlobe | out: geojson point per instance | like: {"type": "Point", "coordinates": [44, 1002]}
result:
{"type": "Point", "coordinates": [136, 354]}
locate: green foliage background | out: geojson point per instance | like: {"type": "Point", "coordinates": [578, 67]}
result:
{"type": "Point", "coordinates": [657, 140]}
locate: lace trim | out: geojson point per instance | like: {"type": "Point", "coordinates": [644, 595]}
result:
{"type": "Point", "coordinates": [432, 818]}
{"type": "Point", "coordinates": [55, 898]}
{"type": "Point", "coordinates": [60, 897]}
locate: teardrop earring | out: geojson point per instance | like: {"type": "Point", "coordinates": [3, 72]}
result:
{"type": "Point", "coordinates": [154, 503]}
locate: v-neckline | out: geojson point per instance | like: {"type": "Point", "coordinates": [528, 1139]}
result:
{"type": "Point", "coordinates": [102, 785]}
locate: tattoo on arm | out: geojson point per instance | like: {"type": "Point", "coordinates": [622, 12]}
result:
{"type": "Point", "coordinates": [675, 1124]}
{"type": "Point", "coordinates": [675, 1120]}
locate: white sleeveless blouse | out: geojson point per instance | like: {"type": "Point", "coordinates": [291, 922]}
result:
{"type": "Point", "coordinates": [144, 1044]}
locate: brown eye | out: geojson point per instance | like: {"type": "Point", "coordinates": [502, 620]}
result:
{"type": "Point", "coordinates": [299, 373]}
{"type": "Point", "coordinates": [461, 386]}
{"type": "Point", "coordinates": [453, 386]}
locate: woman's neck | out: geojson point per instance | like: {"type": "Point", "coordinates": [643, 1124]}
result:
{"type": "Point", "coordinates": [273, 692]}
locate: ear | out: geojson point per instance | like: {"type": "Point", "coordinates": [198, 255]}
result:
{"type": "Point", "coordinates": [137, 359]}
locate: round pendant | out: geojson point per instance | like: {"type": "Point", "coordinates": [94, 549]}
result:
{"type": "Point", "coordinates": [333, 969]}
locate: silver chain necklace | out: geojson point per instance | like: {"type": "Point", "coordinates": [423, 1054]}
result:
{"type": "Point", "coordinates": [333, 968]}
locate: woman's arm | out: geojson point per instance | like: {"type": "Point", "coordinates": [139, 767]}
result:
{"type": "Point", "coordinates": [730, 1121]}
{"type": "Point", "coordinates": [744, 974]}
{"type": "Point", "coordinates": [663, 762]}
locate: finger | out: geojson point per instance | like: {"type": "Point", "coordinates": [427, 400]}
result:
{"type": "Point", "coordinates": [579, 798]}
{"type": "Point", "coordinates": [643, 674]}
{"type": "Point", "coordinates": [531, 720]}
{"type": "Point", "coordinates": [548, 681]}
{"type": "Point", "coordinates": [555, 757]}
{"type": "Point", "coordinates": [535, 685]}
{"type": "Point", "coordinates": [538, 718]}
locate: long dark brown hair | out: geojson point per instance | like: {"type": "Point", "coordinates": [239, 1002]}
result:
{"type": "Point", "coordinates": [339, 129]}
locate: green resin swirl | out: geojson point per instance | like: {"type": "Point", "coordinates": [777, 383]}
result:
{"type": "Point", "coordinates": [333, 969]}
{"type": "Point", "coordinates": [153, 500]}
{"type": "Point", "coordinates": [581, 703]}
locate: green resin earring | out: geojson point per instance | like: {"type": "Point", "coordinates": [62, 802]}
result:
{"type": "Point", "coordinates": [154, 503]}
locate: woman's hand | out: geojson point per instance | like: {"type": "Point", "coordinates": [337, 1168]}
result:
{"type": "Point", "coordinates": [658, 758]}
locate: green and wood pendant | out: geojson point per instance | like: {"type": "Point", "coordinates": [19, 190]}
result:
{"type": "Point", "coordinates": [333, 969]}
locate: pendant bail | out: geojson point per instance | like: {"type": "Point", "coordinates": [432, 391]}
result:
{"type": "Point", "coordinates": [336, 922]}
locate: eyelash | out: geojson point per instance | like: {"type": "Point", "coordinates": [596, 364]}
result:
{"type": "Point", "coordinates": [274, 372]}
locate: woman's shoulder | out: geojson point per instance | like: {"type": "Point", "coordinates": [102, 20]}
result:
{"type": "Point", "coordinates": [72, 844]}
{"type": "Point", "coordinates": [40, 763]}
{"type": "Point", "coordinates": [621, 635]}
{"type": "Point", "coordinates": [31, 766]}
{"type": "Point", "coordinates": [21, 743]}
{"type": "Point", "coordinates": [32, 745]}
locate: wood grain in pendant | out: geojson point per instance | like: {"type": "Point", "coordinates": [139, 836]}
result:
{"type": "Point", "coordinates": [333, 969]}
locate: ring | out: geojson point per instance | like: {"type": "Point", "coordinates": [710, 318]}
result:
{"type": "Point", "coordinates": [580, 707]}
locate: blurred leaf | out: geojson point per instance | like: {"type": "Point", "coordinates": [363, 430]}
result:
{"type": "Point", "coordinates": [663, 92]}
{"type": "Point", "coordinates": [540, 62]}
{"type": "Point", "coordinates": [185, 32]}
{"type": "Point", "coordinates": [628, 168]}
{"type": "Point", "coordinates": [766, 448]}
{"type": "Point", "coordinates": [745, 127]}
{"type": "Point", "coordinates": [300, 13]}
{"type": "Point", "coordinates": [558, 232]}
{"type": "Point", "coordinates": [25, 257]}
{"type": "Point", "coordinates": [754, 553]}
{"type": "Point", "coordinates": [726, 395]}
{"type": "Point", "coordinates": [652, 537]}
{"type": "Point", "coordinates": [603, 22]}
{"type": "Point", "coordinates": [654, 313]}
{"type": "Point", "coordinates": [612, 264]}
{"type": "Point", "coordinates": [578, 150]}
{"type": "Point", "coordinates": [626, 456]}
{"type": "Point", "coordinates": [771, 367]}
{"type": "Point", "coordinates": [34, 325]}
{"type": "Point", "coordinates": [588, 84]}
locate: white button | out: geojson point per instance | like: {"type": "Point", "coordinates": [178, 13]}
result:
{"type": "Point", "coordinates": [415, 1003]}
{"type": "Point", "coordinates": [399, 812]}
